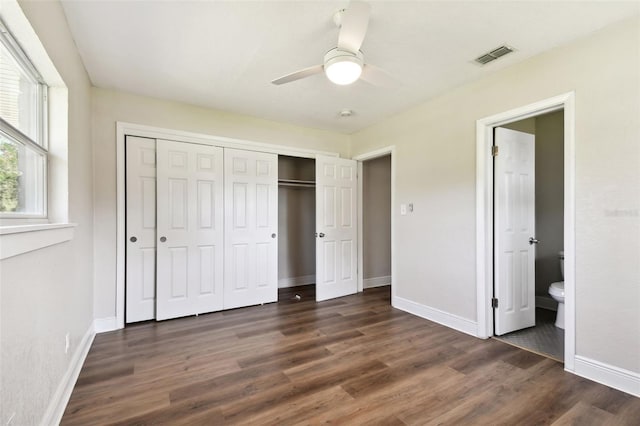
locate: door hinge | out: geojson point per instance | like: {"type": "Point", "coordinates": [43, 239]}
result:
{"type": "Point", "coordinates": [494, 150]}
{"type": "Point", "coordinates": [494, 302]}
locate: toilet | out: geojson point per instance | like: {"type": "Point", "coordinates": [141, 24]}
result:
{"type": "Point", "coordinates": [556, 290]}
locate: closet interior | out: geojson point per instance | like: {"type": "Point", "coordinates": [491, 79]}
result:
{"type": "Point", "coordinates": [296, 221]}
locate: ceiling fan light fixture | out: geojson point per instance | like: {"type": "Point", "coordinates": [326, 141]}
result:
{"type": "Point", "coordinates": [342, 67]}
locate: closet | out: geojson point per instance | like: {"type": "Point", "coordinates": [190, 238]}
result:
{"type": "Point", "coordinates": [203, 222]}
{"type": "Point", "coordinates": [296, 221]}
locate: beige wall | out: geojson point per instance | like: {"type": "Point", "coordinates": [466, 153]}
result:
{"type": "Point", "coordinates": [109, 106]}
{"type": "Point", "coordinates": [48, 293]}
{"type": "Point", "coordinates": [435, 158]}
{"type": "Point", "coordinates": [376, 205]}
{"type": "Point", "coordinates": [296, 220]}
{"type": "Point", "coordinates": [549, 199]}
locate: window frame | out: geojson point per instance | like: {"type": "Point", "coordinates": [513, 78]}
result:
{"type": "Point", "coordinates": [41, 144]}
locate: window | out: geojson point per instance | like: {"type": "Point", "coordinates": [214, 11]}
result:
{"type": "Point", "coordinates": [23, 133]}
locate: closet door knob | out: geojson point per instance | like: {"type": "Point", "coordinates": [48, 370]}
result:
{"type": "Point", "coordinates": [163, 239]}
{"type": "Point", "coordinates": [133, 239]}
{"type": "Point", "coordinates": [321, 235]}
{"type": "Point", "coordinates": [273, 235]}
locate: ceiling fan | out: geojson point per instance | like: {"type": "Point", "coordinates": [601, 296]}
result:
{"type": "Point", "coordinates": [344, 64]}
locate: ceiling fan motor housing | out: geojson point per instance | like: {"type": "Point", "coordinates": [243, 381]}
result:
{"type": "Point", "coordinates": [337, 60]}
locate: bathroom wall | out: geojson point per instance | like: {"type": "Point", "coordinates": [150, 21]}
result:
{"type": "Point", "coordinates": [549, 171]}
{"type": "Point", "coordinates": [527, 125]}
{"type": "Point", "coordinates": [376, 200]}
{"type": "Point", "coordinates": [549, 199]}
{"type": "Point", "coordinates": [296, 223]}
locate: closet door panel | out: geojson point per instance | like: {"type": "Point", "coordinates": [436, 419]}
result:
{"type": "Point", "coordinates": [336, 227]}
{"type": "Point", "coordinates": [141, 228]}
{"type": "Point", "coordinates": [251, 226]}
{"type": "Point", "coordinates": [190, 229]}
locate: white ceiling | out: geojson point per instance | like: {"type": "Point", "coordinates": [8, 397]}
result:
{"type": "Point", "coordinates": [224, 54]}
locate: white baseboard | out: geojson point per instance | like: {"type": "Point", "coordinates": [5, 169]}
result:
{"type": "Point", "coordinates": [58, 403]}
{"type": "Point", "coordinates": [376, 281]}
{"type": "Point", "coordinates": [452, 321]}
{"type": "Point", "coordinates": [546, 303]}
{"type": "Point", "coordinates": [296, 281]}
{"type": "Point", "coordinates": [102, 325]}
{"type": "Point", "coordinates": [609, 375]}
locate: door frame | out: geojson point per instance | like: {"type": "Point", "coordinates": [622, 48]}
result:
{"type": "Point", "coordinates": [484, 213]}
{"type": "Point", "coordinates": [381, 152]}
{"type": "Point", "coordinates": [124, 129]}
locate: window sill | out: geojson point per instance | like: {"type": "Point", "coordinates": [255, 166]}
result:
{"type": "Point", "coordinates": [20, 239]}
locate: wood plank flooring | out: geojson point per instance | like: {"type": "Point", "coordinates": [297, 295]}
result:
{"type": "Point", "coordinates": [353, 360]}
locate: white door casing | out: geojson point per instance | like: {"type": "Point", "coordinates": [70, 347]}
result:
{"type": "Point", "coordinates": [141, 229]}
{"type": "Point", "coordinates": [251, 227]}
{"type": "Point", "coordinates": [190, 229]}
{"type": "Point", "coordinates": [514, 218]}
{"type": "Point", "coordinates": [336, 227]}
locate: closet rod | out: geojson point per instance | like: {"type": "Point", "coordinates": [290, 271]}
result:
{"type": "Point", "coordinates": [301, 185]}
{"type": "Point", "coordinates": [296, 182]}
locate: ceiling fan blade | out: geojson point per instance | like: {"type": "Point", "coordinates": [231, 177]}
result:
{"type": "Point", "coordinates": [378, 77]}
{"type": "Point", "coordinates": [317, 69]}
{"type": "Point", "coordinates": [355, 21]}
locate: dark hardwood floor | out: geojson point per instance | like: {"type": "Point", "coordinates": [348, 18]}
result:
{"type": "Point", "coordinates": [353, 360]}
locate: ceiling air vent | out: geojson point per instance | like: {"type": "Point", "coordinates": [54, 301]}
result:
{"type": "Point", "coordinates": [493, 55]}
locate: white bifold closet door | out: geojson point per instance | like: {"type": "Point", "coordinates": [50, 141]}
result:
{"type": "Point", "coordinates": [141, 229]}
{"type": "Point", "coordinates": [336, 227]}
{"type": "Point", "coordinates": [251, 226]}
{"type": "Point", "coordinates": [190, 241]}
{"type": "Point", "coordinates": [514, 226]}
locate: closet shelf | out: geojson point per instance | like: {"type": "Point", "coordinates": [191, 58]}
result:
{"type": "Point", "coordinates": [296, 182]}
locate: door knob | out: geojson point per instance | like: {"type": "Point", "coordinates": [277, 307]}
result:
{"type": "Point", "coordinates": [533, 241]}
{"type": "Point", "coordinates": [321, 235]}
{"type": "Point", "coordinates": [163, 239]}
{"type": "Point", "coordinates": [273, 235]}
{"type": "Point", "coordinates": [133, 239]}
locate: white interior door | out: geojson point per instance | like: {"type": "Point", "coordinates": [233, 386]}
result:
{"type": "Point", "coordinates": [190, 229]}
{"type": "Point", "coordinates": [514, 225]}
{"type": "Point", "coordinates": [336, 227]}
{"type": "Point", "coordinates": [141, 229]}
{"type": "Point", "coordinates": [251, 226]}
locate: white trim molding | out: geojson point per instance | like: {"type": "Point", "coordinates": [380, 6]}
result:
{"type": "Point", "coordinates": [103, 325]}
{"type": "Point", "coordinates": [377, 281]}
{"type": "Point", "coordinates": [57, 405]}
{"type": "Point", "coordinates": [436, 315]}
{"type": "Point", "coordinates": [609, 375]}
{"type": "Point", "coordinates": [17, 240]}
{"type": "Point", "coordinates": [130, 129]}
{"type": "Point", "coordinates": [296, 281]}
{"type": "Point", "coordinates": [484, 213]}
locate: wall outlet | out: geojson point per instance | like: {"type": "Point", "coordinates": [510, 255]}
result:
{"type": "Point", "coordinates": [66, 343]}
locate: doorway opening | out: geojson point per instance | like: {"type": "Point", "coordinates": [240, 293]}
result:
{"type": "Point", "coordinates": [485, 250]}
{"type": "Point", "coordinates": [528, 239]}
{"type": "Point", "coordinates": [376, 221]}
{"type": "Point", "coordinates": [296, 226]}
{"type": "Point", "coordinates": [376, 198]}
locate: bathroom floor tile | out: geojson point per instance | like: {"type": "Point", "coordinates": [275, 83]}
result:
{"type": "Point", "coordinates": [545, 338]}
